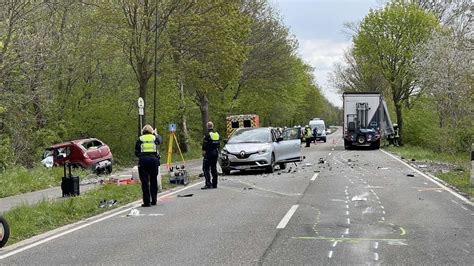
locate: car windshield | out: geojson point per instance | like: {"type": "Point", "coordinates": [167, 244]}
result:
{"type": "Point", "coordinates": [254, 135]}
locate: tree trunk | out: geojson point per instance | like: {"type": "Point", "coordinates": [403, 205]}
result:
{"type": "Point", "coordinates": [204, 107]}
{"type": "Point", "coordinates": [398, 111]}
{"type": "Point", "coordinates": [184, 132]}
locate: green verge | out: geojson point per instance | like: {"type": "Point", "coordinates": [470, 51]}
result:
{"type": "Point", "coordinates": [28, 221]}
{"type": "Point", "coordinates": [459, 179]}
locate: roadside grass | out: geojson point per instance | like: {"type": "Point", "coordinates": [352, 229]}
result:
{"type": "Point", "coordinates": [460, 178]}
{"type": "Point", "coordinates": [28, 221]}
{"type": "Point", "coordinates": [19, 180]}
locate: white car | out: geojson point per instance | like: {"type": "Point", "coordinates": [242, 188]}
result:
{"type": "Point", "coordinates": [260, 148]}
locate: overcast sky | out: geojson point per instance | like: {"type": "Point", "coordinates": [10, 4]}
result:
{"type": "Point", "coordinates": [318, 26]}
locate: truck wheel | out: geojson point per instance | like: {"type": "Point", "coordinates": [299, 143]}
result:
{"type": "Point", "coordinates": [347, 145]}
{"type": "Point", "coordinates": [376, 145]}
{"type": "Point", "coordinates": [4, 232]}
{"type": "Point", "coordinates": [361, 139]}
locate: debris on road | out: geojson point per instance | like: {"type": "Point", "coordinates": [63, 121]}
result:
{"type": "Point", "coordinates": [134, 212]}
{"type": "Point", "coordinates": [107, 203]}
{"type": "Point", "coordinates": [185, 196]}
{"type": "Point", "coordinates": [362, 197]}
{"type": "Point", "coordinates": [411, 175]}
{"type": "Point", "coordinates": [413, 160]}
{"type": "Point", "coordinates": [321, 160]}
{"type": "Point", "coordinates": [382, 168]}
{"type": "Point", "coordinates": [248, 188]}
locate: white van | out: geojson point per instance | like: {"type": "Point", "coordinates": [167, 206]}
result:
{"type": "Point", "coordinates": [318, 126]}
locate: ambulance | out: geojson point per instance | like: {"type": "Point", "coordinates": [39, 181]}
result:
{"type": "Point", "coordinates": [233, 122]}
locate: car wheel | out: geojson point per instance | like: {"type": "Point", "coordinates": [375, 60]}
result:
{"type": "Point", "coordinates": [109, 169]}
{"type": "Point", "coordinates": [376, 145]}
{"type": "Point", "coordinates": [4, 232]}
{"type": "Point", "coordinates": [324, 139]}
{"type": "Point", "coordinates": [282, 166]}
{"type": "Point", "coordinates": [271, 167]}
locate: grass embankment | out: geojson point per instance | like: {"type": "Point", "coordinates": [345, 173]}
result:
{"type": "Point", "coordinates": [458, 176]}
{"type": "Point", "coordinates": [19, 180]}
{"type": "Point", "coordinates": [28, 221]}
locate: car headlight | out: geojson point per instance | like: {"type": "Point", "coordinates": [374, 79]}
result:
{"type": "Point", "coordinates": [262, 151]}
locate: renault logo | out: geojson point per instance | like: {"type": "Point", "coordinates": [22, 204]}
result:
{"type": "Point", "coordinates": [242, 153]}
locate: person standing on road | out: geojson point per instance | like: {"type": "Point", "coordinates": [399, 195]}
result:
{"type": "Point", "coordinates": [146, 149]}
{"type": "Point", "coordinates": [210, 152]}
{"type": "Point", "coordinates": [307, 136]}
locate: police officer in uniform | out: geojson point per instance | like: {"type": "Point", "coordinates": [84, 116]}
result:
{"type": "Point", "coordinates": [210, 151]}
{"type": "Point", "coordinates": [146, 149]}
{"type": "Point", "coordinates": [307, 136]}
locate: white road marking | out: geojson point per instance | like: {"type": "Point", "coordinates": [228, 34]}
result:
{"type": "Point", "coordinates": [348, 221]}
{"type": "Point", "coordinates": [347, 206]}
{"type": "Point", "coordinates": [332, 149]}
{"type": "Point", "coordinates": [334, 244]}
{"type": "Point", "coordinates": [376, 256]}
{"type": "Point", "coordinates": [81, 225]}
{"type": "Point", "coordinates": [383, 212]}
{"type": "Point", "coordinates": [287, 217]}
{"type": "Point", "coordinates": [314, 177]}
{"type": "Point", "coordinates": [457, 203]}
{"type": "Point", "coordinates": [330, 254]}
{"type": "Point", "coordinates": [329, 154]}
{"type": "Point", "coordinates": [383, 218]}
{"type": "Point", "coordinates": [376, 245]}
{"type": "Point", "coordinates": [347, 213]}
{"type": "Point", "coordinates": [431, 179]}
{"type": "Point", "coordinates": [382, 207]}
{"type": "Point", "coordinates": [346, 232]}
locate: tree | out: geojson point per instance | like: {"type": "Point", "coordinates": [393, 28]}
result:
{"type": "Point", "coordinates": [387, 40]}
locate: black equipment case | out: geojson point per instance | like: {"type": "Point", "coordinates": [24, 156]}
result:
{"type": "Point", "coordinates": [69, 183]}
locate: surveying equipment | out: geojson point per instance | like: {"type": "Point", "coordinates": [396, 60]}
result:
{"type": "Point", "coordinates": [178, 173]}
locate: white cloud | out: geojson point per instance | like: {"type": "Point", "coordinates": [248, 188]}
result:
{"type": "Point", "coordinates": [322, 54]}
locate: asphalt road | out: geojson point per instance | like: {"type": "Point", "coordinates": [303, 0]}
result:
{"type": "Point", "coordinates": [356, 207]}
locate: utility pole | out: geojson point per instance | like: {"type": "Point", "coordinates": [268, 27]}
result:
{"type": "Point", "coordinates": [155, 69]}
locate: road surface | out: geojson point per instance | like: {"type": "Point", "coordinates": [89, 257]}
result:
{"type": "Point", "coordinates": [337, 207]}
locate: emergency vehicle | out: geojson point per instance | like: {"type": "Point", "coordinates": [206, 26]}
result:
{"type": "Point", "coordinates": [233, 122]}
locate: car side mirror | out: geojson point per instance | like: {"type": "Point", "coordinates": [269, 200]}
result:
{"type": "Point", "coordinates": [279, 139]}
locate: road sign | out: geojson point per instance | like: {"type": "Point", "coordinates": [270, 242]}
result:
{"type": "Point", "coordinates": [172, 127]}
{"type": "Point", "coordinates": [141, 105]}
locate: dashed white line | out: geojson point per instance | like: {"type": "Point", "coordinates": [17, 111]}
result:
{"type": "Point", "coordinates": [348, 221]}
{"type": "Point", "coordinates": [376, 245]}
{"type": "Point", "coordinates": [287, 217]}
{"type": "Point", "coordinates": [383, 218]}
{"type": "Point", "coordinates": [329, 154]}
{"type": "Point", "coordinates": [346, 232]}
{"type": "Point", "coordinates": [330, 254]}
{"type": "Point", "coordinates": [347, 206]}
{"type": "Point", "coordinates": [347, 213]}
{"type": "Point", "coordinates": [314, 177]}
{"type": "Point", "coordinates": [376, 258]}
{"type": "Point", "coordinates": [382, 207]}
{"type": "Point", "coordinates": [383, 212]}
{"type": "Point", "coordinates": [334, 244]}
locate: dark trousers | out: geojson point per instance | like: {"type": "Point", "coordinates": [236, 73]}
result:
{"type": "Point", "coordinates": [148, 171]}
{"type": "Point", "coordinates": [210, 166]}
{"type": "Point", "coordinates": [308, 142]}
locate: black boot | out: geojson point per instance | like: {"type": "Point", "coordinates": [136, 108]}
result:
{"type": "Point", "coordinates": [206, 187]}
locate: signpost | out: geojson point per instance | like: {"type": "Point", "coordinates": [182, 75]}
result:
{"type": "Point", "coordinates": [141, 113]}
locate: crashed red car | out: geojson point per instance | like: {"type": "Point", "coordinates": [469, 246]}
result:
{"type": "Point", "coordinates": [88, 153]}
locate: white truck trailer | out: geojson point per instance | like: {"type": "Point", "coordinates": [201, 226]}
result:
{"type": "Point", "coordinates": [366, 119]}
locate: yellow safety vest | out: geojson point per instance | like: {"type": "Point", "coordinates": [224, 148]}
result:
{"type": "Point", "coordinates": [214, 137]}
{"type": "Point", "coordinates": [148, 143]}
{"type": "Point", "coordinates": [308, 133]}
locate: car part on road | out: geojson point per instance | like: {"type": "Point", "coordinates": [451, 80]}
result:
{"type": "Point", "coordinates": [185, 196]}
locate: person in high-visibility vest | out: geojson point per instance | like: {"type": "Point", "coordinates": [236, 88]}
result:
{"type": "Point", "coordinates": [146, 149]}
{"type": "Point", "coordinates": [307, 136]}
{"type": "Point", "coordinates": [210, 152]}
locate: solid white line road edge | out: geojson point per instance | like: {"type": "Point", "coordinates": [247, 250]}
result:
{"type": "Point", "coordinates": [287, 217]}
{"type": "Point", "coordinates": [431, 179]}
{"type": "Point", "coordinates": [314, 177]}
{"type": "Point", "coordinates": [81, 225]}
